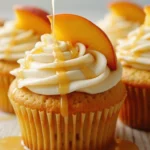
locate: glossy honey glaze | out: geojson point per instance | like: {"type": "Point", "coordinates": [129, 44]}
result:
{"type": "Point", "coordinates": [14, 143]}
{"type": "Point", "coordinates": [123, 145]}
{"type": "Point", "coordinates": [6, 118]}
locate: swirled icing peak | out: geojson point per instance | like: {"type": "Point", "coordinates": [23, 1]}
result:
{"type": "Point", "coordinates": [14, 42]}
{"type": "Point", "coordinates": [134, 51]}
{"type": "Point", "coordinates": [52, 64]}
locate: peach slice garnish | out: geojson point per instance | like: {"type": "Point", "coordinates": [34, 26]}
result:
{"type": "Point", "coordinates": [74, 28]}
{"type": "Point", "coordinates": [128, 10]}
{"type": "Point", "coordinates": [147, 18]}
{"type": "Point", "coordinates": [28, 17]}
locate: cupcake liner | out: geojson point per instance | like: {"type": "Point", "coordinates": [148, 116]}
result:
{"type": "Point", "coordinates": [51, 131]}
{"type": "Point", "coordinates": [5, 81]}
{"type": "Point", "coordinates": [136, 109]}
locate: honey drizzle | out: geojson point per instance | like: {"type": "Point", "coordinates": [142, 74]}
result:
{"type": "Point", "coordinates": [74, 51]}
{"type": "Point", "coordinates": [53, 17]}
{"type": "Point", "coordinates": [12, 143]}
{"type": "Point", "coordinates": [61, 72]}
{"type": "Point", "coordinates": [141, 32]}
{"type": "Point", "coordinates": [7, 51]}
{"type": "Point", "coordinates": [37, 51]}
{"type": "Point", "coordinates": [27, 62]}
{"type": "Point", "coordinates": [63, 80]}
{"type": "Point", "coordinates": [87, 72]}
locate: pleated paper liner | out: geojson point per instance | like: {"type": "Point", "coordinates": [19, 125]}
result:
{"type": "Point", "coordinates": [82, 131]}
{"type": "Point", "coordinates": [136, 109]}
{"type": "Point", "coordinates": [5, 104]}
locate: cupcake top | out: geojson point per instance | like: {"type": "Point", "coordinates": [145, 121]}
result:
{"type": "Point", "coordinates": [14, 42]}
{"type": "Point", "coordinates": [86, 71]}
{"type": "Point", "coordinates": [116, 27]}
{"type": "Point", "coordinates": [134, 51]}
{"type": "Point", "coordinates": [61, 67]}
{"type": "Point", "coordinates": [20, 35]}
{"type": "Point", "coordinates": [121, 20]}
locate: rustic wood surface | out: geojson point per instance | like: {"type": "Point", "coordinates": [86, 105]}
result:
{"type": "Point", "coordinates": [9, 127]}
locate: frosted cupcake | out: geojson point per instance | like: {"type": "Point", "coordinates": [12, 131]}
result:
{"type": "Point", "coordinates": [1, 22]}
{"type": "Point", "coordinates": [16, 37]}
{"type": "Point", "coordinates": [121, 20]}
{"type": "Point", "coordinates": [134, 54]}
{"type": "Point", "coordinates": [69, 95]}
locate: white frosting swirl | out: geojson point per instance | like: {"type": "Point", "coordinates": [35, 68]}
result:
{"type": "Point", "coordinates": [135, 50]}
{"type": "Point", "coordinates": [41, 75]}
{"type": "Point", "coordinates": [14, 42]}
{"type": "Point", "coordinates": [116, 27]}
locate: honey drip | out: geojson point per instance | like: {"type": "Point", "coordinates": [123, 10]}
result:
{"type": "Point", "coordinates": [141, 32]}
{"type": "Point", "coordinates": [61, 72]}
{"type": "Point", "coordinates": [28, 60]}
{"type": "Point", "coordinates": [74, 51]}
{"type": "Point", "coordinates": [37, 51]}
{"type": "Point", "coordinates": [7, 51]}
{"type": "Point", "coordinates": [87, 72]}
{"type": "Point", "coordinates": [123, 145]}
{"type": "Point", "coordinates": [11, 143]}
{"type": "Point", "coordinates": [53, 16]}
{"type": "Point", "coordinates": [63, 80]}
{"type": "Point", "coordinates": [14, 143]}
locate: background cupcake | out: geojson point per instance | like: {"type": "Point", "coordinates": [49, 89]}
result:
{"type": "Point", "coordinates": [68, 98]}
{"type": "Point", "coordinates": [1, 22]}
{"type": "Point", "coordinates": [134, 53]}
{"type": "Point", "coordinates": [121, 20]}
{"type": "Point", "coordinates": [16, 37]}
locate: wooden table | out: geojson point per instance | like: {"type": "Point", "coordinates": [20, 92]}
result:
{"type": "Point", "coordinates": [9, 127]}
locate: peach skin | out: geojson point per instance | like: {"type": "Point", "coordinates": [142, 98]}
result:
{"type": "Point", "coordinates": [147, 18]}
{"type": "Point", "coordinates": [128, 10]}
{"type": "Point", "coordinates": [29, 17]}
{"type": "Point", "coordinates": [74, 28]}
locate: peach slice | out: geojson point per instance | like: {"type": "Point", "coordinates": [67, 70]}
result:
{"type": "Point", "coordinates": [29, 17]}
{"type": "Point", "coordinates": [147, 18]}
{"type": "Point", "coordinates": [74, 28]}
{"type": "Point", "coordinates": [128, 10]}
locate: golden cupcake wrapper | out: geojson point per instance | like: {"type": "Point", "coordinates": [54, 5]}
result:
{"type": "Point", "coordinates": [5, 104]}
{"type": "Point", "coordinates": [136, 109]}
{"type": "Point", "coordinates": [81, 131]}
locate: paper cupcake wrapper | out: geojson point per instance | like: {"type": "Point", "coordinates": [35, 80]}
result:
{"type": "Point", "coordinates": [136, 109]}
{"type": "Point", "coordinates": [5, 104]}
{"type": "Point", "coordinates": [81, 131]}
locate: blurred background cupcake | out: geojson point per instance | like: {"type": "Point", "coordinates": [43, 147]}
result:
{"type": "Point", "coordinates": [1, 22]}
{"type": "Point", "coordinates": [134, 54]}
{"type": "Point", "coordinates": [68, 97]}
{"type": "Point", "coordinates": [121, 20]}
{"type": "Point", "coordinates": [16, 37]}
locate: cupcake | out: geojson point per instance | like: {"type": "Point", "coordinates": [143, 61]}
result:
{"type": "Point", "coordinates": [121, 20]}
{"type": "Point", "coordinates": [1, 22]}
{"type": "Point", "coordinates": [70, 93]}
{"type": "Point", "coordinates": [134, 54]}
{"type": "Point", "coordinates": [16, 37]}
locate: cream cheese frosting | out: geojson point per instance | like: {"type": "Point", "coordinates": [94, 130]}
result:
{"type": "Point", "coordinates": [14, 42]}
{"type": "Point", "coordinates": [134, 51]}
{"type": "Point", "coordinates": [86, 70]}
{"type": "Point", "coordinates": [116, 27]}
